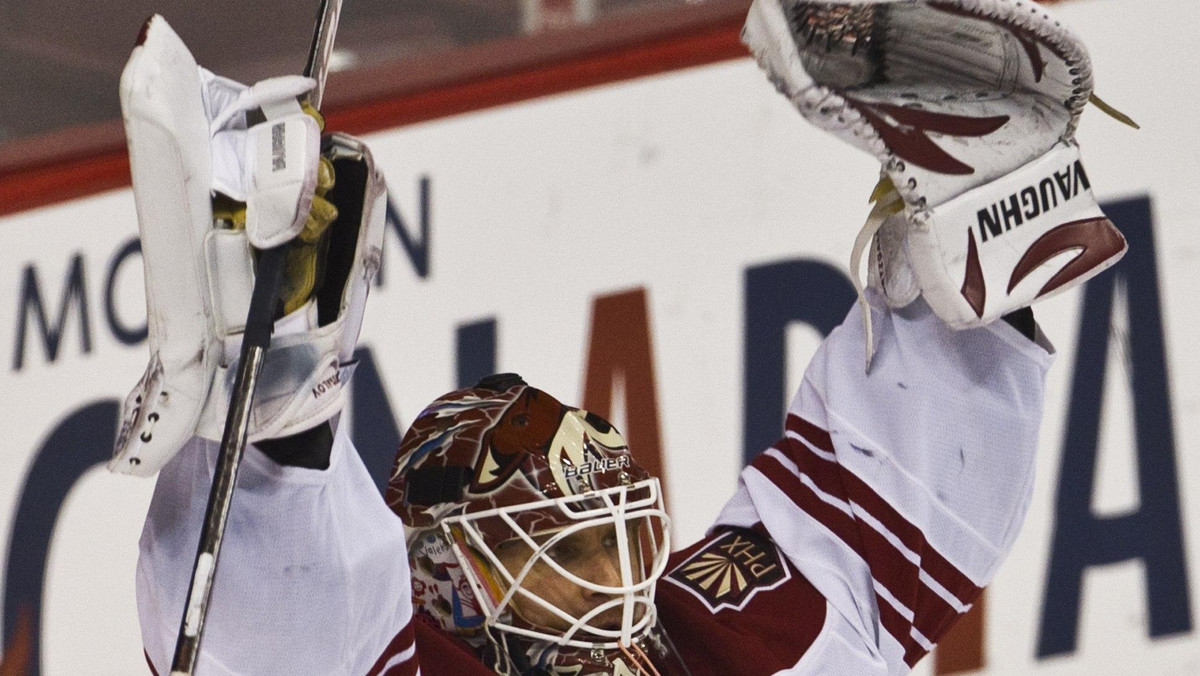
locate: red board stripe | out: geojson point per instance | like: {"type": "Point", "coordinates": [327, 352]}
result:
{"type": "Point", "coordinates": [88, 173]}
{"type": "Point", "coordinates": [37, 186]}
{"type": "Point", "coordinates": [41, 186]}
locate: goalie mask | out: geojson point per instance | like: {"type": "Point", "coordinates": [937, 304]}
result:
{"type": "Point", "coordinates": [533, 533]}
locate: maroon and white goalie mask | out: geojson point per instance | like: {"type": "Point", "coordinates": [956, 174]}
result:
{"type": "Point", "coordinates": [533, 533]}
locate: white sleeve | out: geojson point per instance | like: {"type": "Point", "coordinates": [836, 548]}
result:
{"type": "Point", "coordinates": [313, 575]}
{"type": "Point", "coordinates": [897, 494]}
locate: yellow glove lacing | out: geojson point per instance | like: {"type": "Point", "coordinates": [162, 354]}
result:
{"type": "Point", "coordinates": [301, 273]}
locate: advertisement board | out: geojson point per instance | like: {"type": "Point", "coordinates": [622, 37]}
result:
{"type": "Point", "coordinates": [669, 251]}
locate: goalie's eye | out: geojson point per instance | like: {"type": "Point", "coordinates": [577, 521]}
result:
{"type": "Point", "coordinates": [583, 546]}
{"type": "Point", "coordinates": [565, 552]}
{"type": "Point", "coordinates": [610, 541]}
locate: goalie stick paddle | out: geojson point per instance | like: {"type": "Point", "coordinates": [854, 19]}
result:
{"type": "Point", "coordinates": [256, 340]}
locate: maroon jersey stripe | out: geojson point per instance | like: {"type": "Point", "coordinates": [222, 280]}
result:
{"type": "Point", "coordinates": [811, 433]}
{"type": "Point", "coordinates": [933, 613]}
{"type": "Point", "coordinates": [406, 668]}
{"type": "Point", "coordinates": [900, 577]}
{"type": "Point", "coordinates": [149, 663]}
{"type": "Point", "coordinates": [845, 528]}
{"type": "Point", "coordinates": [893, 571]}
{"type": "Point", "coordinates": [401, 642]}
{"type": "Point", "coordinates": [900, 629]}
{"type": "Point", "coordinates": [903, 578]}
{"type": "Point", "coordinates": [940, 569]}
{"type": "Point", "coordinates": [857, 490]}
{"type": "Point", "coordinates": [838, 522]}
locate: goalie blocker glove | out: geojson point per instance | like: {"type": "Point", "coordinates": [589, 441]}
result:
{"type": "Point", "coordinates": [971, 106]}
{"type": "Point", "coordinates": [189, 137]}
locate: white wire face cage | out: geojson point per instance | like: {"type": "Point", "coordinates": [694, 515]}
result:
{"type": "Point", "coordinates": [634, 530]}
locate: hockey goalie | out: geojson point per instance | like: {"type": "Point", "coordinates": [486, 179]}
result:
{"type": "Point", "coordinates": [519, 535]}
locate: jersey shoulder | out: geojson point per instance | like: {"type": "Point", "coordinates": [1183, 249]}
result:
{"type": "Point", "coordinates": [441, 654]}
{"type": "Point", "coordinates": [732, 594]}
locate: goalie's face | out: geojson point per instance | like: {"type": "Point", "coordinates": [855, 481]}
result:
{"type": "Point", "coordinates": [584, 578]}
{"type": "Point", "coordinates": [593, 555]}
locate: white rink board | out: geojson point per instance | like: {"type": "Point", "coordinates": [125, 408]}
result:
{"type": "Point", "coordinates": [676, 184]}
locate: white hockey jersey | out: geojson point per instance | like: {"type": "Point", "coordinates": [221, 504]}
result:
{"type": "Point", "coordinates": [849, 547]}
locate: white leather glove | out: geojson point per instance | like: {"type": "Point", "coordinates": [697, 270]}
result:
{"type": "Point", "coordinates": [971, 107]}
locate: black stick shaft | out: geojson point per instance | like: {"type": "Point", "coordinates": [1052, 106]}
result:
{"type": "Point", "coordinates": [255, 341]}
{"type": "Point", "coordinates": [321, 50]}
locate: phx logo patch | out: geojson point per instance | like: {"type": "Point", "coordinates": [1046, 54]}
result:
{"type": "Point", "coordinates": [729, 571]}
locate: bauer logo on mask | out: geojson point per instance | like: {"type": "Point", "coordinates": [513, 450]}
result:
{"type": "Point", "coordinates": [575, 452]}
{"type": "Point", "coordinates": [560, 449]}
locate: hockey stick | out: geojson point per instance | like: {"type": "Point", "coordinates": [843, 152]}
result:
{"type": "Point", "coordinates": [260, 322]}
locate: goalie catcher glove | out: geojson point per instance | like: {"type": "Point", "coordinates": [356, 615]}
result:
{"type": "Point", "coordinates": [189, 140]}
{"type": "Point", "coordinates": [971, 106]}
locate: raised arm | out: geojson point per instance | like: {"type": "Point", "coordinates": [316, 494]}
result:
{"type": "Point", "coordinates": [906, 465]}
{"type": "Point", "coordinates": [313, 576]}
{"type": "Point", "coordinates": [897, 493]}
